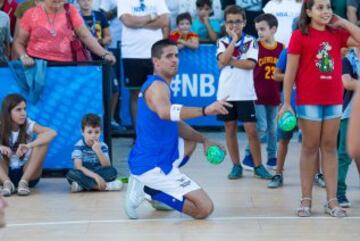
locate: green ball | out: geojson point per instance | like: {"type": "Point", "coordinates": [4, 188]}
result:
{"type": "Point", "coordinates": [287, 121]}
{"type": "Point", "coordinates": [215, 155]}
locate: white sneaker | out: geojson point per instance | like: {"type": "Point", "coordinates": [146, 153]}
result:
{"type": "Point", "coordinates": [115, 185]}
{"type": "Point", "coordinates": [75, 187]}
{"type": "Point", "coordinates": [134, 197]}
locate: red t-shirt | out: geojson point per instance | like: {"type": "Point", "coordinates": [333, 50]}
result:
{"type": "Point", "coordinates": [318, 78]}
{"type": "Point", "coordinates": [9, 8]}
{"type": "Point", "coordinates": [267, 89]}
{"type": "Point", "coordinates": [176, 35]}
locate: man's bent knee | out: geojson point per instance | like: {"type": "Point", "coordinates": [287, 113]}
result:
{"type": "Point", "coordinates": [204, 210]}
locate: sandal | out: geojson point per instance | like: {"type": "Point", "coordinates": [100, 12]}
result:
{"type": "Point", "coordinates": [8, 188]}
{"type": "Point", "coordinates": [304, 211]}
{"type": "Point", "coordinates": [23, 188]}
{"type": "Point", "coordinates": [336, 211]}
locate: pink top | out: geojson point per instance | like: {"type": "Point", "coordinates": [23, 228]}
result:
{"type": "Point", "coordinates": [46, 40]}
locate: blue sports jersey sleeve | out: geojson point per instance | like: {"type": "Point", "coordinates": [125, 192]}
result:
{"type": "Point", "coordinates": [281, 64]}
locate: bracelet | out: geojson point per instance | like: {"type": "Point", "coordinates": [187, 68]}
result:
{"type": "Point", "coordinates": [24, 56]}
{"type": "Point", "coordinates": [104, 55]}
{"type": "Point", "coordinates": [203, 111]}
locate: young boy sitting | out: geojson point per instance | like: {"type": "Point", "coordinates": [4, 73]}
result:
{"type": "Point", "coordinates": [93, 170]}
{"type": "Point", "coordinates": [182, 35]}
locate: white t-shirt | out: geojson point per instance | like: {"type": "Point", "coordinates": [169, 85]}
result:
{"type": "Point", "coordinates": [137, 42]}
{"type": "Point", "coordinates": [234, 82]}
{"type": "Point", "coordinates": [115, 23]}
{"type": "Point", "coordinates": [29, 131]}
{"type": "Point", "coordinates": [285, 11]}
{"type": "Point", "coordinates": [15, 162]}
{"type": "Point", "coordinates": [173, 6]}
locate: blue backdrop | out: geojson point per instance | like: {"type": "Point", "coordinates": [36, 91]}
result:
{"type": "Point", "coordinates": [69, 93]}
{"type": "Point", "coordinates": [195, 84]}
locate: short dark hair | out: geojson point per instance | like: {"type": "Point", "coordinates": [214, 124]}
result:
{"type": "Point", "coordinates": [234, 9]}
{"type": "Point", "coordinates": [183, 16]}
{"type": "Point", "coordinates": [90, 119]}
{"type": "Point", "coordinates": [157, 48]}
{"type": "Point", "coordinates": [269, 18]}
{"type": "Point", "coordinates": [202, 3]}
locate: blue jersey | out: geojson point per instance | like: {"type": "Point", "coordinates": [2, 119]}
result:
{"type": "Point", "coordinates": [156, 141]}
{"type": "Point", "coordinates": [281, 64]}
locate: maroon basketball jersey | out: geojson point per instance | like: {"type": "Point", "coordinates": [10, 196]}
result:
{"type": "Point", "coordinates": [267, 89]}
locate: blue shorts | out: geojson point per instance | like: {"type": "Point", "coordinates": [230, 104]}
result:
{"type": "Point", "coordinates": [284, 135]}
{"type": "Point", "coordinates": [319, 112]}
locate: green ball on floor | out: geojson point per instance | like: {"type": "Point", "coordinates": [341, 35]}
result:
{"type": "Point", "coordinates": [215, 155]}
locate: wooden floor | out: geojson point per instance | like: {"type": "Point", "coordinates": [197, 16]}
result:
{"type": "Point", "coordinates": [245, 209]}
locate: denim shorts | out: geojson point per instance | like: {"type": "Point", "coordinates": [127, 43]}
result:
{"type": "Point", "coordinates": [319, 112]}
{"type": "Point", "coordinates": [15, 175]}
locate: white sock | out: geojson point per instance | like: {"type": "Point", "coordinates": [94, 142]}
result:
{"type": "Point", "coordinates": [115, 185]}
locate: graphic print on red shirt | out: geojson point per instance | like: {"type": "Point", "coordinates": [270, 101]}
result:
{"type": "Point", "coordinates": [318, 78]}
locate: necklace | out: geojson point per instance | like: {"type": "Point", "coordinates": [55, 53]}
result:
{"type": "Point", "coordinates": [51, 24]}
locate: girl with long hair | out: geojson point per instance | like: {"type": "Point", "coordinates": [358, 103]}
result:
{"type": "Point", "coordinates": [314, 61]}
{"type": "Point", "coordinates": [21, 156]}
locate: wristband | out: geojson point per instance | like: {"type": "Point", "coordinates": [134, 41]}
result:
{"type": "Point", "coordinates": [153, 16]}
{"type": "Point", "coordinates": [175, 110]}
{"type": "Point", "coordinates": [203, 110]}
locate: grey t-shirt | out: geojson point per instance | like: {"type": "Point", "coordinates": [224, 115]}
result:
{"type": "Point", "coordinates": [5, 35]}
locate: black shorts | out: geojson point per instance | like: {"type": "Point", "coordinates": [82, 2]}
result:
{"type": "Point", "coordinates": [136, 72]}
{"type": "Point", "coordinates": [243, 111]}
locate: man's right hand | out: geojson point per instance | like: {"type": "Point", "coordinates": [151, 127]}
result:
{"type": "Point", "coordinates": [218, 107]}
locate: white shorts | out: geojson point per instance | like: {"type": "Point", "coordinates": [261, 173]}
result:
{"type": "Point", "coordinates": [175, 183]}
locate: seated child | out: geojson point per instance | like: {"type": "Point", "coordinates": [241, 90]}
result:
{"type": "Point", "coordinates": [21, 155]}
{"type": "Point", "coordinates": [92, 167]}
{"type": "Point", "coordinates": [182, 35]}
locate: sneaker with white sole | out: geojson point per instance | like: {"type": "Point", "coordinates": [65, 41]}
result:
{"type": "Point", "coordinates": [343, 201]}
{"type": "Point", "coordinates": [271, 163]}
{"type": "Point", "coordinates": [75, 187]}
{"type": "Point", "coordinates": [115, 185]}
{"type": "Point", "coordinates": [134, 197]}
{"type": "Point", "coordinates": [248, 163]}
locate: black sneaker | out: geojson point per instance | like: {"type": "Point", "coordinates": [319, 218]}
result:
{"type": "Point", "coordinates": [343, 201]}
{"type": "Point", "coordinates": [276, 181]}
